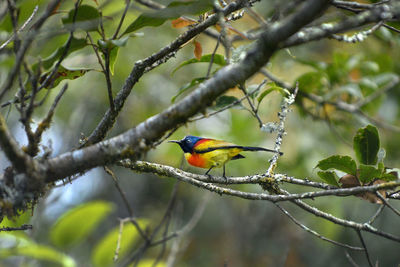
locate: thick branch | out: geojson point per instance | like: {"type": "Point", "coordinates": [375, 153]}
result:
{"type": "Point", "coordinates": [19, 159]}
{"type": "Point", "coordinates": [377, 14]}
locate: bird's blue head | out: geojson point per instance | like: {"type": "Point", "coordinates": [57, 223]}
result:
{"type": "Point", "coordinates": [187, 143]}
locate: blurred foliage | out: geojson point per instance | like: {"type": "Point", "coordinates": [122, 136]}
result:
{"type": "Point", "coordinates": [69, 230]}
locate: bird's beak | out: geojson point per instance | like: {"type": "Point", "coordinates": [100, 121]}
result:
{"type": "Point", "coordinates": [174, 141]}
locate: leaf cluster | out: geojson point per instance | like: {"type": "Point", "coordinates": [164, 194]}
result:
{"type": "Point", "coordinates": [370, 156]}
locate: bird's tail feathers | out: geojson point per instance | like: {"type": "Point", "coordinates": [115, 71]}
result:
{"type": "Point", "coordinates": [244, 148]}
{"type": "Point", "coordinates": [255, 148]}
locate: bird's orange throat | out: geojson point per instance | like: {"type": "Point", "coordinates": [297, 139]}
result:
{"type": "Point", "coordinates": [196, 160]}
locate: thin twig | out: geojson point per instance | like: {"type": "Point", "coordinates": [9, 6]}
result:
{"type": "Point", "coordinates": [122, 19]}
{"type": "Point", "coordinates": [352, 262]}
{"type": "Point", "coordinates": [95, 49]}
{"type": "Point", "coordinates": [225, 107]}
{"type": "Point", "coordinates": [384, 200]}
{"type": "Point", "coordinates": [32, 148]}
{"type": "Point", "coordinates": [377, 213]}
{"type": "Point", "coordinates": [10, 147]}
{"type": "Point", "coordinates": [127, 205]}
{"type": "Point", "coordinates": [253, 109]}
{"type": "Point", "coordinates": [121, 227]}
{"type": "Point", "coordinates": [168, 216]}
{"type": "Point", "coordinates": [148, 243]}
{"type": "Point", "coordinates": [20, 29]}
{"type": "Point", "coordinates": [212, 57]}
{"type": "Point", "coordinates": [20, 228]}
{"type": "Point", "coordinates": [186, 229]}
{"type": "Point", "coordinates": [107, 74]}
{"type": "Point", "coordinates": [365, 248]}
{"type": "Point", "coordinates": [343, 222]}
{"type": "Point", "coordinates": [315, 233]}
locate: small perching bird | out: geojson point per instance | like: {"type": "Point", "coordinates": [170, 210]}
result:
{"type": "Point", "coordinates": [210, 153]}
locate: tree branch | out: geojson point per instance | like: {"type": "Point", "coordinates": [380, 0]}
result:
{"type": "Point", "coordinates": [140, 67]}
{"type": "Point", "coordinates": [137, 140]}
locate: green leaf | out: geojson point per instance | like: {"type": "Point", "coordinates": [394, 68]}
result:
{"type": "Point", "coordinates": [27, 248]}
{"type": "Point", "coordinates": [224, 101]}
{"type": "Point", "coordinates": [172, 11]}
{"type": "Point", "coordinates": [337, 71]}
{"type": "Point", "coordinates": [273, 87]}
{"type": "Point", "coordinates": [317, 65]}
{"type": "Point", "coordinates": [366, 145]}
{"type": "Point", "coordinates": [87, 18]}
{"type": "Point", "coordinates": [368, 85]}
{"type": "Point", "coordinates": [350, 88]}
{"type": "Point", "coordinates": [367, 173]}
{"type": "Point", "coordinates": [311, 81]}
{"type": "Point", "coordinates": [104, 251]}
{"type": "Point", "coordinates": [17, 220]}
{"type": "Point", "coordinates": [150, 262]}
{"type": "Point", "coordinates": [369, 67]}
{"type": "Point", "coordinates": [329, 177]}
{"type": "Point", "coordinates": [48, 62]}
{"type": "Point", "coordinates": [63, 74]}
{"type": "Point", "coordinates": [187, 86]}
{"type": "Point", "coordinates": [388, 177]}
{"type": "Point", "coordinates": [218, 59]}
{"type": "Point", "coordinates": [342, 163]}
{"type": "Point", "coordinates": [76, 224]}
{"type": "Point", "coordinates": [112, 48]}
{"type": "Point", "coordinates": [143, 21]}
{"type": "Point", "coordinates": [381, 166]}
{"type": "Point", "coordinates": [113, 58]}
{"type": "Point", "coordinates": [121, 41]}
{"type": "Point", "coordinates": [177, 9]}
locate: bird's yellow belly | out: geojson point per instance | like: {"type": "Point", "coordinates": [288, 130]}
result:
{"type": "Point", "coordinates": [216, 158]}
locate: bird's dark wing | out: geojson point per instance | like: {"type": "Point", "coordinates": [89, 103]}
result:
{"type": "Point", "coordinates": [209, 149]}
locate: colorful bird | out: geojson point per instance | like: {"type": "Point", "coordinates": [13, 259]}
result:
{"type": "Point", "coordinates": [209, 153]}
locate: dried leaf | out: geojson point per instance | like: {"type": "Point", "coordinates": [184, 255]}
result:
{"type": "Point", "coordinates": [349, 180]}
{"type": "Point", "coordinates": [355, 75]}
{"type": "Point", "coordinates": [372, 197]}
{"type": "Point", "coordinates": [198, 50]}
{"type": "Point", "coordinates": [395, 174]}
{"type": "Point", "coordinates": [383, 192]}
{"type": "Point", "coordinates": [181, 22]}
